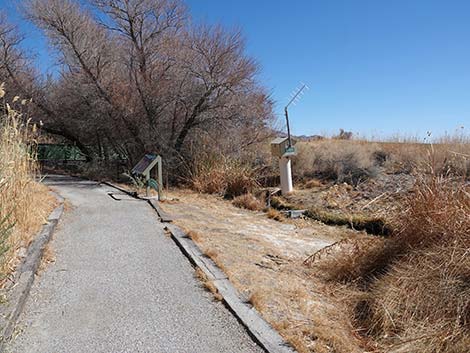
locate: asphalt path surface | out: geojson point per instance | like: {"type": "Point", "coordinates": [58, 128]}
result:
{"type": "Point", "coordinates": [119, 284]}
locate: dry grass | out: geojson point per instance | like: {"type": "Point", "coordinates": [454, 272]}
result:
{"type": "Point", "coordinates": [357, 221]}
{"type": "Point", "coordinates": [276, 215]}
{"type": "Point", "coordinates": [24, 204]}
{"type": "Point", "coordinates": [208, 284]}
{"type": "Point", "coordinates": [337, 160]}
{"type": "Point", "coordinates": [48, 257]}
{"type": "Point", "coordinates": [353, 161]}
{"type": "Point", "coordinates": [223, 176]}
{"type": "Point", "coordinates": [413, 289]}
{"type": "Point", "coordinates": [263, 260]}
{"type": "Point", "coordinates": [194, 236]}
{"type": "Point", "coordinates": [450, 154]}
{"type": "Point", "coordinates": [312, 183]}
{"type": "Point", "coordinates": [249, 202]}
{"type": "Point", "coordinates": [408, 292]}
{"type": "Point", "coordinates": [214, 255]}
{"type": "Point", "coordinates": [351, 260]}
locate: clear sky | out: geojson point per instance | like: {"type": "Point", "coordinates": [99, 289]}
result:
{"type": "Point", "coordinates": [375, 67]}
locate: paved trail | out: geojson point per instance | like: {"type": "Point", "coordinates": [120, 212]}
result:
{"type": "Point", "coordinates": [119, 284]}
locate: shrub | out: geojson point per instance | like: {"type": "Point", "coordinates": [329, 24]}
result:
{"type": "Point", "coordinates": [281, 204]}
{"type": "Point", "coordinates": [343, 135]}
{"type": "Point", "coordinates": [249, 202]}
{"type": "Point", "coordinates": [223, 176]}
{"type": "Point", "coordinates": [352, 160]}
{"type": "Point", "coordinates": [276, 215]}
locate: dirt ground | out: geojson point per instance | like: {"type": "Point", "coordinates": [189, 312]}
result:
{"type": "Point", "coordinates": [264, 260]}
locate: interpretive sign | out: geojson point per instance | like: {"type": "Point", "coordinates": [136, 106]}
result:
{"type": "Point", "coordinates": [144, 168]}
{"type": "Point", "coordinates": [145, 165]}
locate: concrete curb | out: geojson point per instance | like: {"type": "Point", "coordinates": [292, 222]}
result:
{"type": "Point", "coordinates": [262, 333]}
{"type": "Point", "coordinates": [130, 193]}
{"type": "Point", "coordinates": [165, 217]}
{"type": "Point", "coordinates": [24, 278]}
{"type": "Point", "coordinates": [268, 338]}
{"type": "Point", "coordinates": [162, 214]}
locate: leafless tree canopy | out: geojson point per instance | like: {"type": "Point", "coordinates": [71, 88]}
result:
{"type": "Point", "coordinates": [137, 76]}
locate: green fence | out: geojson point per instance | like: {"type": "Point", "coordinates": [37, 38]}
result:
{"type": "Point", "coordinates": [58, 152]}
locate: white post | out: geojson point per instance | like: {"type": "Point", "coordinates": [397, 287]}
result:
{"type": "Point", "coordinates": [286, 175]}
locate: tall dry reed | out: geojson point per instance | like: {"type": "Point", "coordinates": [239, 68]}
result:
{"type": "Point", "coordinates": [24, 204]}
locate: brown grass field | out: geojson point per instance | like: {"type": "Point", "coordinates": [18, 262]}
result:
{"type": "Point", "coordinates": [403, 290]}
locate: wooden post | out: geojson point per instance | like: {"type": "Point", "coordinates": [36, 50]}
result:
{"type": "Point", "coordinates": [160, 178]}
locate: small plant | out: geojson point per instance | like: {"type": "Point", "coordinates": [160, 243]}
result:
{"type": "Point", "coordinates": [137, 181]}
{"type": "Point", "coordinates": [249, 202]}
{"type": "Point", "coordinates": [276, 215]}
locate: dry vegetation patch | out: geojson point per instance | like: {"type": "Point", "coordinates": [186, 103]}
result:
{"type": "Point", "coordinates": [248, 201]}
{"type": "Point", "coordinates": [361, 183]}
{"type": "Point", "coordinates": [407, 292]}
{"type": "Point", "coordinates": [24, 204]}
{"type": "Point", "coordinates": [263, 259]}
{"type": "Point", "coordinates": [412, 290]}
{"type": "Point", "coordinates": [337, 160]}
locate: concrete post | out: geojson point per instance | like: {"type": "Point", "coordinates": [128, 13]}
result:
{"type": "Point", "coordinates": [286, 175]}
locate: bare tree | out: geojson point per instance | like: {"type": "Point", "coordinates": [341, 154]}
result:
{"type": "Point", "coordinates": [138, 76]}
{"type": "Point", "coordinates": [17, 71]}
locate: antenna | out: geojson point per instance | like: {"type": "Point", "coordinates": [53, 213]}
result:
{"type": "Point", "coordinates": [296, 95]}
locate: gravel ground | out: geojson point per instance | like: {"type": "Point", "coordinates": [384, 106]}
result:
{"type": "Point", "coordinates": [120, 285]}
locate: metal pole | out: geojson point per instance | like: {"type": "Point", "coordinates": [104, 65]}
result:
{"type": "Point", "coordinates": [288, 127]}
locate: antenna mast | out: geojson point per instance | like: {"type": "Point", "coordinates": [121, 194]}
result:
{"type": "Point", "coordinates": [295, 98]}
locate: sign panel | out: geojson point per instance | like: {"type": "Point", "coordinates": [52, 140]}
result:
{"type": "Point", "coordinates": [290, 151]}
{"type": "Point", "coordinates": [145, 164]}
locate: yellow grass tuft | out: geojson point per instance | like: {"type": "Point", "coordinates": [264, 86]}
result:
{"type": "Point", "coordinates": [208, 284]}
{"type": "Point", "coordinates": [276, 215]}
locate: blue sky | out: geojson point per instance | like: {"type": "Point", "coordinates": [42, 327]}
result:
{"type": "Point", "coordinates": [375, 67]}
